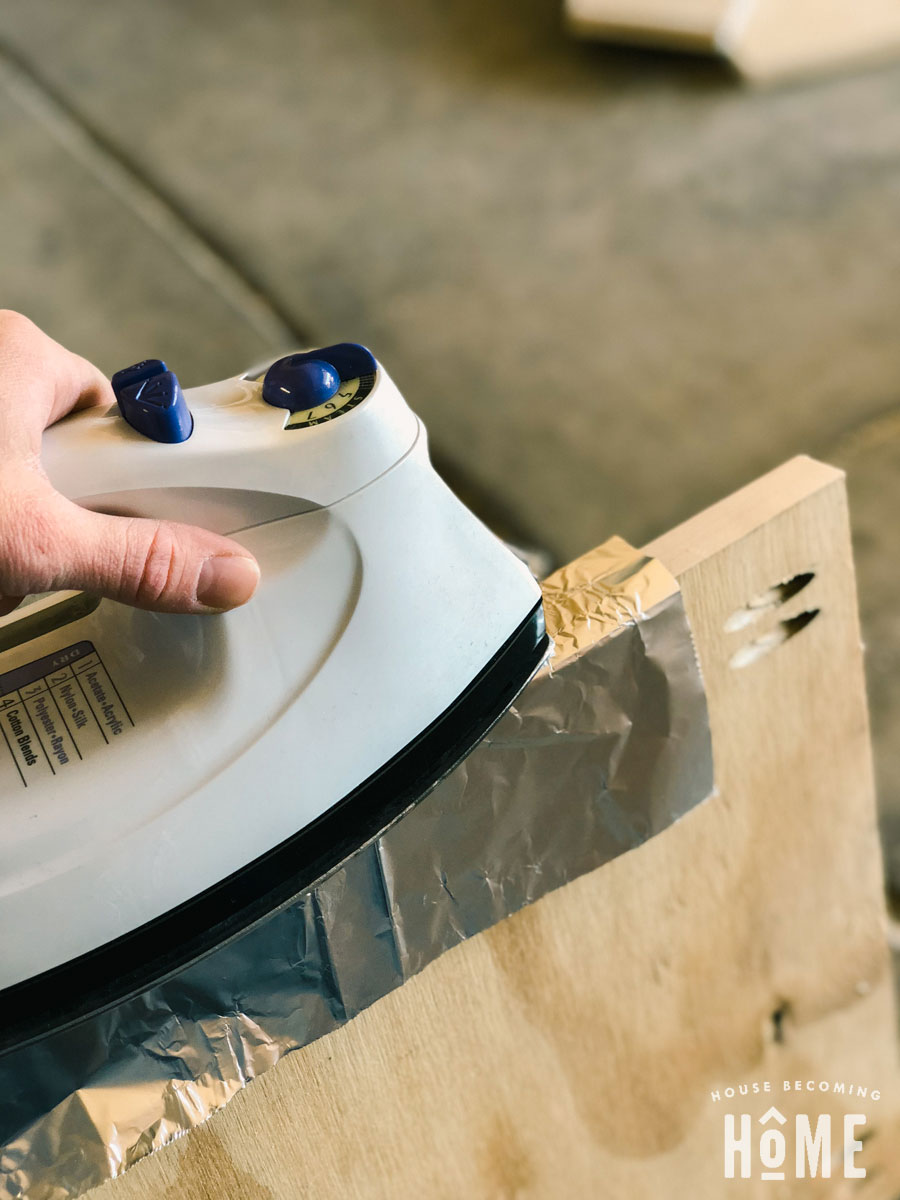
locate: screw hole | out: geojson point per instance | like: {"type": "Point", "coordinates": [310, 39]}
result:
{"type": "Point", "coordinates": [782, 632]}
{"type": "Point", "coordinates": [773, 597]}
{"type": "Point", "coordinates": [779, 1017]}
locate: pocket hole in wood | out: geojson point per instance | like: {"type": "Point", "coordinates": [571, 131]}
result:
{"type": "Point", "coordinates": [779, 1018]}
{"type": "Point", "coordinates": [770, 641]}
{"type": "Point", "coordinates": [771, 598]}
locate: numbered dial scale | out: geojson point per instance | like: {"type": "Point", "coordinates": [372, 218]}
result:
{"type": "Point", "coordinates": [350, 393]}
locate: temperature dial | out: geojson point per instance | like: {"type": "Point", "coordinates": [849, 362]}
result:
{"type": "Point", "coordinates": [319, 385]}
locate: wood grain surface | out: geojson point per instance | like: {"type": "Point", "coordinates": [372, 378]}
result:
{"type": "Point", "coordinates": [571, 1051]}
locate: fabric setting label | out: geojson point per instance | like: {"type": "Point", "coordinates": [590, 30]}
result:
{"type": "Point", "coordinates": [59, 709]}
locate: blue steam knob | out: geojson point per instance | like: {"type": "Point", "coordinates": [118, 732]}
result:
{"type": "Point", "coordinates": [152, 402]}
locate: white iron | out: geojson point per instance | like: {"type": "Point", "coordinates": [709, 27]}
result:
{"type": "Point", "coordinates": [168, 780]}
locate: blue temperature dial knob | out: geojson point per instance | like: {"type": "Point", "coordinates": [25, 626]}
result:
{"type": "Point", "coordinates": [299, 382]}
{"type": "Point", "coordinates": [318, 385]}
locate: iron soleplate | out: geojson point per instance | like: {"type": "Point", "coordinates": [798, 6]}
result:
{"type": "Point", "coordinates": [129, 965]}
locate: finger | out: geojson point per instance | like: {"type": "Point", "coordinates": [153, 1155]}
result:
{"type": "Point", "coordinates": [79, 385]}
{"type": "Point", "coordinates": [40, 381]}
{"type": "Point", "coordinates": [158, 565]}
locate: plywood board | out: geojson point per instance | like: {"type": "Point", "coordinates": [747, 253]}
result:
{"type": "Point", "coordinates": [572, 1050]}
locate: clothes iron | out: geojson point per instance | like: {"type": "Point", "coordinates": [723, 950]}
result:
{"type": "Point", "coordinates": [170, 780]}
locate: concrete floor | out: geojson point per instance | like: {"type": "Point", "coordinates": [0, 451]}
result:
{"type": "Point", "coordinates": [616, 285]}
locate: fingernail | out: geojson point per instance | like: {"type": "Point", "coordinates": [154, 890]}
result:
{"type": "Point", "coordinates": [226, 581]}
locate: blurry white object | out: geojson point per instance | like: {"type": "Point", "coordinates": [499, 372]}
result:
{"type": "Point", "coordinates": [150, 760]}
{"type": "Point", "coordinates": [763, 39]}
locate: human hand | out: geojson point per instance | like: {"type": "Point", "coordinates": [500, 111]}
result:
{"type": "Point", "coordinates": [47, 542]}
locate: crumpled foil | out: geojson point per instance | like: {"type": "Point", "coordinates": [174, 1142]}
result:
{"type": "Point", "coordinates": [605, 748]}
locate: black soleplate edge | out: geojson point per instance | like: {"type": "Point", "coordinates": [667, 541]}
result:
{"type": "Point", "coordinates": [62, 997]}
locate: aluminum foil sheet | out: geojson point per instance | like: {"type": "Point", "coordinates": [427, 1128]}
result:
{"type": "Point", "coordinates": [605, 748]}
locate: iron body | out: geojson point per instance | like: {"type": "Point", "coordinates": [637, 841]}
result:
{"type": "Point", "coordinates": [182, 777]}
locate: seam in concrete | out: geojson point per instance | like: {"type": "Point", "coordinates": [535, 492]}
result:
{"type": "Point", "coordinates": [184, 236]}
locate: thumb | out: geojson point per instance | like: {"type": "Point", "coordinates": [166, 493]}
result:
{"type": "Point", "coordinates": [159, 565]}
